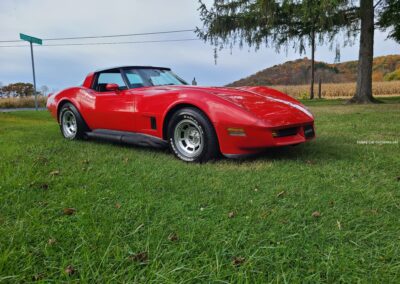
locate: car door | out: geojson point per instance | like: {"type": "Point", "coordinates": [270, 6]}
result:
{"type": "Point", "coordinates": [114, 110]}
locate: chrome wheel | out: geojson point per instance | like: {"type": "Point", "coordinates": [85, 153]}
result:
{"type": "Point", "coordinates": [188, 138]}
{"type": "Point", "coordinates": [69, 125]}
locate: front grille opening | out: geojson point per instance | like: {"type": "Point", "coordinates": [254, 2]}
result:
{"type": "Point", "coordinates": [285, 132]}
{"type": "Point", "coordinates": [309, 131]}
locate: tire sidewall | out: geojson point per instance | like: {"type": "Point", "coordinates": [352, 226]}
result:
{"type": "Point", "coordinates": [79, 122]}
{"type": "Point", "coordinates": [203, 126]}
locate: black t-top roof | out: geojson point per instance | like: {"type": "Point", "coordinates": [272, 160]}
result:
{"type": "Point", "coordinates": [131, 67]}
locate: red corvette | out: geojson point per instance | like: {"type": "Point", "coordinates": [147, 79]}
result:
{"type": "Point", "coordinates": [151, 106]}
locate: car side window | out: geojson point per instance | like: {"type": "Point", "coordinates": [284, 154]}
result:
{"type": "Point", "coordinates": [135, 79]}
{"type": "Point", "coordinates": [109, 78]}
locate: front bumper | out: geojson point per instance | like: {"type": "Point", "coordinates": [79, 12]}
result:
{"type": "Point", "coordinates": [259, 138]}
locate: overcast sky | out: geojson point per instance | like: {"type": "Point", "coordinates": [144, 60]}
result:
{"type": "Point", "coordinates": [60, 67]}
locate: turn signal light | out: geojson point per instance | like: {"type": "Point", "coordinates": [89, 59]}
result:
{"type": "Point", "coordinates": [236, 132]}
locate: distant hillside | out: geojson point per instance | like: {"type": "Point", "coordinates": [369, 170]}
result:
{"type": "Point", "coordinates": [298, 72]}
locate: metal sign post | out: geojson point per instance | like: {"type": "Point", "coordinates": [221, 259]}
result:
{"type": "Point", "coordinates": [34, 77]}
{"type": "Point", "coordinates": [31, 40]}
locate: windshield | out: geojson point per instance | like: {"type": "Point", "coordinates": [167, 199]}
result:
{"type": "Point", "coordinates": [145, 77]}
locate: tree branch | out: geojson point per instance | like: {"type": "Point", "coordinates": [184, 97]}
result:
{"type": "Point", "coordinates": [377, 4]}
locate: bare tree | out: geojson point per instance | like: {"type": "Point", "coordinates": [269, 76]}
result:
{"type": "Point", "coordinates": [44, 89]}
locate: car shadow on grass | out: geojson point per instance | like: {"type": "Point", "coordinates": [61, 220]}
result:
{"type": "Point", "coordinates": [309, 153]}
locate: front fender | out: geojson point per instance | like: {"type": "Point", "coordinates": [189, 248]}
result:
{"type": "Point", "coordinates": [222, 114]}
{"type": "Point", "coordinates": [80, 97]}
{"type": "Point", "coordinates": [217, 109]}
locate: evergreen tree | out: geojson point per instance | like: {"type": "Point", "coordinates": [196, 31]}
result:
{"type": "Point", "coordinates": [389, 17]}
{"type": "Point", "coordinates": [279, 23]}
{"type": "Point", "coordinates": [387, 13]}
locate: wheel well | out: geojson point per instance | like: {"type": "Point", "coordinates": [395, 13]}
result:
{"type": "Point", "coordinates": [175, 109]}
{"type": "Point", "coordinates": [59, 107]}
{"type": "Point", "coordinates": [62, 103]}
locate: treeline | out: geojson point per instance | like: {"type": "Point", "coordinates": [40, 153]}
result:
{"type": "Point", "coordinates": [298, 72]}
{"type": "Point", "coordinates": [21, 89]}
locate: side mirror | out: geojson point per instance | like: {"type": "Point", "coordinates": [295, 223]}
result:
{"type": "Point", "coordinates": [112, 87]}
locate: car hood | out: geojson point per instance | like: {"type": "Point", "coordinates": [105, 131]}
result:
{"type": "Point", "coordinates": [266, 104]}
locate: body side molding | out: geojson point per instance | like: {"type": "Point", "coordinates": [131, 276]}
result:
{"type": "Point", "coordinates": [128, 137]}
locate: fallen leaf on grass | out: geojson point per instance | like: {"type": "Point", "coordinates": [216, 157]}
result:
{"type": "Point", "coordinates": [69, 211]}
{"type": "Point", "coordinates": [140, 257]}
{"type": "Point", "coordinates": [42, 160]}
{"type": "Point", "coordinates": [43, 186]}
{"type": "Point", "coordinates": [264, 214]}
{"type": "Point", "coordinates": [231, 214]}
{"type": "Point", "coordinates": [316, 214]}
{"type": "Point", "coordinates": [374, 211]}
{"type": "Point", "coordinates": [238, 261]}
{"type": "Point", "coordinates": [173, 237]}
{"type": "Point", "coordinates": [55, 173]}
{"type": "Point", "coordinates": [51, 241]}
{"type": "Point", "coordinates": [338, 225]}
{"type": "Point", "coordinates": [37, 277]}
{"type": "Point", "coordinates": [117, 205]}
{"type": "Point", "coordinates": [70, 270]}
{"type": "Point", "coordinates": [282, 193]}
{"type": "Point", "coordinates": [43, 203]}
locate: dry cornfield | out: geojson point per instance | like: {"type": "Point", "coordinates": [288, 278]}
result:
{"type": "Point", "coordinates": [341, 90]}
{"type": "Point", "coordinates": [22, 102]}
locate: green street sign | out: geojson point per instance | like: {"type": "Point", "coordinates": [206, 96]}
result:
{"type": "Point", "coordinates": [30, 39]}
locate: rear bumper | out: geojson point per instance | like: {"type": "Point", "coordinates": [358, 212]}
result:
{"type": "Point", "coordinates": [258, 139]}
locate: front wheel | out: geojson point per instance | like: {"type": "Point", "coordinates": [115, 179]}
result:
{"type": "Point", "coordinates": [72, 125]}
{"type": "Point", "coordinates": [192, 137]}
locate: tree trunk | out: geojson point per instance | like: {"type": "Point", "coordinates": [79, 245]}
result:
{"type": "Point", "coordinates": [366, 55]}
{"type": "Point", "coordinates": [312, 65]}
{"type": "Point", "coordinates": [320, 88]}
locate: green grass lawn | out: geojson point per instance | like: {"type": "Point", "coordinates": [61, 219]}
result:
{"type": "Point", "coordinates": [144, 216]}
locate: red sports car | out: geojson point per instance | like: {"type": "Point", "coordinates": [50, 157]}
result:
{"type": "Point", "coordinates": [151, 106]}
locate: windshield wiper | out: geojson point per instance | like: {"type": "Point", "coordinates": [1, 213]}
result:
{"type": "Point", "coordinates": [169, 84]}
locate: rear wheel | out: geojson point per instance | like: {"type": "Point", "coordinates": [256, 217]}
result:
{"type": "Point", "coordinates": [72, 124]}
{"type": "Point", "coordinates": [191, 136]}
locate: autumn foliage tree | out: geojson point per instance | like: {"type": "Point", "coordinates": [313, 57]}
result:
{"type": "Point", "coordinates": [18, 90]}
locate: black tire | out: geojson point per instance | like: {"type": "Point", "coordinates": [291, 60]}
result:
{"type": "Point", "coordinates": [70, 111]}
{"type": "Point", "coordinates": [204, 133]}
